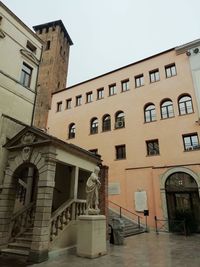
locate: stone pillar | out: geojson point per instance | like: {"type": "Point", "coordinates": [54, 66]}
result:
{"type": "Point", "coordinates": [7, 201]}
{"type": "Point", "coordinates": [41, 230]}
{"type": "Point", "coordinates": [103, 194]}
{"type": "Point", "coordinates": [91, 236]}
{"type": "Point", "coordinates": [76, 174]}
{"type": "Point", "coordinates": [29, 185]}
{"type": "Point", "coordinates": [103, 191]}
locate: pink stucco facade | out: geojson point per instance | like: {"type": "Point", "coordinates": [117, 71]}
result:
{"type": "Point", "coordinates": [138, 171]}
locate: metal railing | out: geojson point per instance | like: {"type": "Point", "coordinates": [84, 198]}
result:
{"type": "Point", "coordinates": [176, 226]}
{"type": "Point", "coordinates": [127, 213]}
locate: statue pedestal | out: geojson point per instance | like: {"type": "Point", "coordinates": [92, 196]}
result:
{"type": "Point", "coordinates": [91, 238]}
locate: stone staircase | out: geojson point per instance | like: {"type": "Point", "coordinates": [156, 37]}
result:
{"type": "Point", "coordinates": [20, 245]}
{"type": "Point", "coordinates": [130, 227]}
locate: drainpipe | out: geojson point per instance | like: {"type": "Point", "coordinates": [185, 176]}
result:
{"type": "Point", "coordinates": [36, 86]}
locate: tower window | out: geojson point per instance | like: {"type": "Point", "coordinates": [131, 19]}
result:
{"type": "Point", "coordinates": [48, 45]}
{"type": "Point", "coordinates": [59, 106]}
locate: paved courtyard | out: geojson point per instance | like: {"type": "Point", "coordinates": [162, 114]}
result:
{"type": "Point", "coordinates": [145, 250]}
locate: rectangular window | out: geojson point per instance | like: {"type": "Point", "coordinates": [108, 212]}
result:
{"type": "Point", "coordinates": [125, 85]}
{"type": "Point", "coordinates": [69, 103]}
{"type": "Point", "coordinates": [152, 147]}
{"type": "Point", "coordinates": [26, 73]}
{"type": "Point", "coordinates": [191, 142]}
{"type": "Point", "coordinates": [59, 106]}
{"type": "Point", "coordinates": [31, 47]}
{"type": "Point", "coordinates": [78, 100]}
{"type": "Point", "coordinates": [170, 70]}
{"type": "Point", "coordinates": [48, 45]}
{"type": "Point", "coordinates": [100, 93]}
{"type": "Point", "coordinates": [139, 80]}
{"type": "Point", "coordinates": [120, 152]}
{"type": "Point", "coordinates": [112, 89]}
{"type": "Point", "coordinates": [154, 76]}
{"type": "Point", "coordinates": [89, 97]}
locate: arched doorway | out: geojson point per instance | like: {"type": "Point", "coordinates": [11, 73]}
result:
{"type": "Point", "coordinates": [183, 200]}
{"type": "Point", "coordinates": [26, 178]}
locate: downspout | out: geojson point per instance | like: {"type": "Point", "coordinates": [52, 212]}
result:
{"type": "Point", "coordinates": [36, 86]}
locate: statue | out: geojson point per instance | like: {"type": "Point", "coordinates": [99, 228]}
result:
{"type": "Point", "coordinates": [92, 190]}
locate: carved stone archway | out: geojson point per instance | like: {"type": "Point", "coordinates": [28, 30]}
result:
{"type": "Point", "coordinates": [163, 179]}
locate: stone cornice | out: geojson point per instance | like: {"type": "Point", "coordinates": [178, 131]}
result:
{"type": "Point", "coordinates": [30, 56]}
{"type": "Point", "coordinates": [2, 34]}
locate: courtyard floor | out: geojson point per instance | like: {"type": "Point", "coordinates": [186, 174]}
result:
{"type": "Point", "coordinates": [144, 250]}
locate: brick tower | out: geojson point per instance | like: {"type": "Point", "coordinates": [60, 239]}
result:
{"type": "Point", "coordinates": [53, 68]}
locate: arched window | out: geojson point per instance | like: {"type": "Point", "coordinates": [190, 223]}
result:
{"type": "Point", "coordinates": [149, 113]}
{"type": "Point", "coordinates": [185, 105]}
{"type": "Point", "coordinates": [106, 123]}
{"type": "Point", "coordinates": [119, 119]}
{"type": "Point", "coordinates": [72, 131]}
{"type": "Point", "coordinates": [166, 109]}
{"type": "Point", "coordinates": [94, 126]}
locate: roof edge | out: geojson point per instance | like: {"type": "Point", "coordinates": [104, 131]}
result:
{"type": "Point", "coordinates": [112, 71]}
{"type": "Point", "coordinates": [54, 23]}
{"type": "Point", "coordinates": [21, 22]}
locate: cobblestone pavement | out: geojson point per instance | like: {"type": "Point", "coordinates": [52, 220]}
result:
{"type": "Point", "coordinates": [144, 250]}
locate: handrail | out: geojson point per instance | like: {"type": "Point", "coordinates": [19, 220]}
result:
{"type": "Point", "coordinates": [125, 209]}
{"type": "Point", "coordinates": [22, 220]}
{"type": "Point", "coordinates": [165, 224]}
{"type": "Point", "coordinates": [65, 205]}
{"type": "Point", "coordinates": [68, 211]}
{"type": "Point", "coordinates": [18, 213]}
{"type": "Point", "coordinates": [122, 208]}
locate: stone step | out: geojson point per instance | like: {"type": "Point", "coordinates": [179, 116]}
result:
{"type": "Point", "coordinates": [136, 232]}
{"type": "Point", "coordinates": [27, 234]}
{"type": "Point", "coordinates": [19, 246]}
{"type": "Point", "coordinates": [15, 251]}
{"type": "Point", "coordinates": [29, 230]}
{"type": "Point", "coordinates": [26, 240]}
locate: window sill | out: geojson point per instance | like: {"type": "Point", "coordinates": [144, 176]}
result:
{"type": "Point", "coordinates": [111, 95]}
{"type": "Point", "coordinates": [100, 98]}
{"type": "Point", "coordinates": [92, 133]}
{"type": "Point", "coordinates": [88, 102]}
{"type": "Point", "coordinates": [186, 114]}
{"type": "Point", "coordinates": [154, 82]}
{"type": "Point", "coordinates": [146, 122]}
{"type": "Point", "coordinates": [106, 131]}
{"type": "Point", "coordinates": [120, 159]}
{"type": "Point", "coordinates": [153, 155]}
{"type": "Point", "coordinates": [171, 76]}
{"type": "Point", "coordinates": [119, 128]}
{"type": "Point", "coordinates": [167, 118]}
{"type": "Point", "coordinates": [125, 91]}
{"type": "Point", "coordinates": [191, 150]}
{"type": "Point", "coordinates": [136, 87]}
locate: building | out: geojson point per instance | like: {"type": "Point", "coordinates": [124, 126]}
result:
{"type": "Point", "coordinates": [143, 119]}
{"type": "Point", "coordinates": [53, 68]}
{"type": "Point", "coordinates": [42, 179]}
{"type": "Point", "coordinates": [20, 52]}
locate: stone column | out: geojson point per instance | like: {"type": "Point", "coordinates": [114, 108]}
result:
{"type": "Point", "coordinates": [103, 191]}
{"type": "Point", "coordinates": [74, 189]}
{"type": "Point", "coordinates": [29, 185]}
{"type": "Point", "coordinates": [41, 230]}
{"type": "Point", "coordinates": [7, 201]}
{"type": "Point", "coordinates": [103, 194]}
{"type": "Point", "coordinates": [76, 175]}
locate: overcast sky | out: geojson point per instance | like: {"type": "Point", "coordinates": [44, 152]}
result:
{"type": "Point", "coordinates": [108, 34]}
